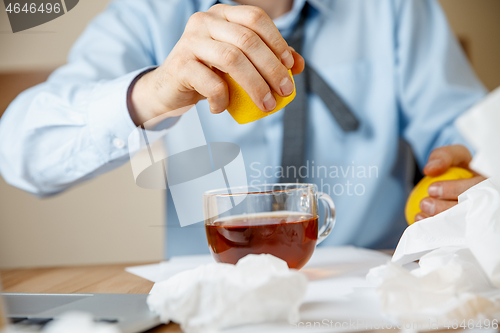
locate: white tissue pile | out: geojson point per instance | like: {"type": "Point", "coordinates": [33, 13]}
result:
{"type": "Point", "coordinates": [479, 126]}
{"type": "Point", "coordinates": [459, 269]}
{"type": "Point", "coordinates": [259, 288]}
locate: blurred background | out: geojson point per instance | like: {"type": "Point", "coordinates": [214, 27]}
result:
{"type": "Point", "coordinates": [110, 219]}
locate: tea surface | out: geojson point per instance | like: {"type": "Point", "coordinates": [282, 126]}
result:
{"type": "Point", "coordinates": [290, 236]}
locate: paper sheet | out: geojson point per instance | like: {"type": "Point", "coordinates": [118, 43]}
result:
{"type": "Point", "coordinates": [479, 126]}
{"type": "Point", "coordinates": [458, 277]}
{"type": "Point", "coordinates": [473, 223]}
{"type": "Point", "coordinates": [166, 269]}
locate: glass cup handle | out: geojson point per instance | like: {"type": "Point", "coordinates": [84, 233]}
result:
{"type": "Point", "coordinates": [329, 223]}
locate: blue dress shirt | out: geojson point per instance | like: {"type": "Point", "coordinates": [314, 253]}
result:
{"type": "Point", "coordinates": [395, 63]}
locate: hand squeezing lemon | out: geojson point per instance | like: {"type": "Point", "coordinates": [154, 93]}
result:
{"type": "Point", "coordinates": [420, 191]}
{"type": "Point", "coordinates": [243, 109]}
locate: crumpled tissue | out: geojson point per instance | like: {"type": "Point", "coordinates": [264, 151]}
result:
{"type": "Point", "coordinates": [459, 269]}
{"type": "Point", "coordinates": [259, 288]}
{"type": "Point", "coordinates": [479, 126]}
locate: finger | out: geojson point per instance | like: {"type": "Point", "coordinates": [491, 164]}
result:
{"type": "Point", "coordinates": [431, 206]}
{"type": "Point", "coordinates": [421, 216]}
{"type": "Point", "coordinates": [229, 59]}
{"type": "Point", "coordinates": [256, 19]}
{"type": "Point", "coordinates": [441, 159]}
{"type": "Point", "coordinates": [208, 84]}
{"type": "Point", "coordinates": [266, 62]}
{"type": "Point", "coordinates": [451, 189]}
{"type": "Point", "coordinates": [299, 63]}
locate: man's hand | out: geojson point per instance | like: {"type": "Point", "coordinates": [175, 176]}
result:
{"type": "Point", "coordinates": [239, 40]}
{"type": "Point", "coordinates": [444, 194]}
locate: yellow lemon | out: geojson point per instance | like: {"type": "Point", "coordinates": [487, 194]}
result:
{"type": "Point", "coordinates": [420, 191]}
{"type": "Point", "coordinates": [241, 106]}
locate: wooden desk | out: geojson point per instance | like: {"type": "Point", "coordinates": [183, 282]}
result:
{"type": "Point", "coordinates": [80, 279]}
{"type": "Point", "coordinates": [92, 279]}
{"type": "Point", "coordinates": [83, 279]}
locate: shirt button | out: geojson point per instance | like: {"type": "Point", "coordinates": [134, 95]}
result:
{"type": "Point", "coordinates": [118, 143]}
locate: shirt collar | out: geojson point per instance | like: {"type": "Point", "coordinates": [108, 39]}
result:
{"type": "Point", "coordinates": [284, 21]}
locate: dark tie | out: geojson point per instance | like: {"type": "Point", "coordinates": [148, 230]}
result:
{"type": "Point", "coordinates": [295, 116]}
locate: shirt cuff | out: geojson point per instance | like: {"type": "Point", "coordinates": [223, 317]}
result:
{"type": "Point", "coordinates": [162, 125]}
{"type": "Point", "coordinates": [109, 118]}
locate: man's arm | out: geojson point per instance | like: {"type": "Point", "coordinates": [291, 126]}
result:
{"type": "Point", "coordinates": [435, 81]}
{"type": "Point", "coordinates": [76, 125]}
{"type": "Point", "coordinates": [241, 41]}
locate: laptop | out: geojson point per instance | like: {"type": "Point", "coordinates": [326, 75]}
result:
{"type": "Point", "coordinates": [129, 312]}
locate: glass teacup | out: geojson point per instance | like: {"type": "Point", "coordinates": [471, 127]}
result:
{"type": "Point", "coordinates": [278, 219]}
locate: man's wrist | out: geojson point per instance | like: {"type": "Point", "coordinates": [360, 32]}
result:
{"type": "Point", "coordinates": [141, 106]}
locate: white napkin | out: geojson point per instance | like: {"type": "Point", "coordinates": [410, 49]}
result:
{"type": "Point", "coordinates": [479, 126]}
{"type": "Point", "coordinates": [259, 288]}
{"type": "Point", "coordinates": [459, 269]}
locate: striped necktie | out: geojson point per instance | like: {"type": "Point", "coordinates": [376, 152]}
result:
{"type": "Point", "coordinates": [295, 116]}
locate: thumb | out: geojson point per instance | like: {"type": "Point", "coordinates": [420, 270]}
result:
{"type": "Point", "coordinates": [441, 159]}
{"type": "Point", "coordinates": [299, 63]}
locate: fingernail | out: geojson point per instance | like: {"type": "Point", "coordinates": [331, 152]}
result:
{"type": "Point", "coordinates": [214, 111]}
{"type": "Point", "coordinates": [269, 102]}
{"type": "Point", "coordinates": [419, 217]}
{"type": "Point", "coordinates": [433, 164]}
{"type": "Point", "coordinates": [428, 206]}
{"type": "Point", "coordinates": [435, 191]}
{"type": "Point", "coordinates": [287, 59]}
{"type": "Point", "coordinates": [286, 86]}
